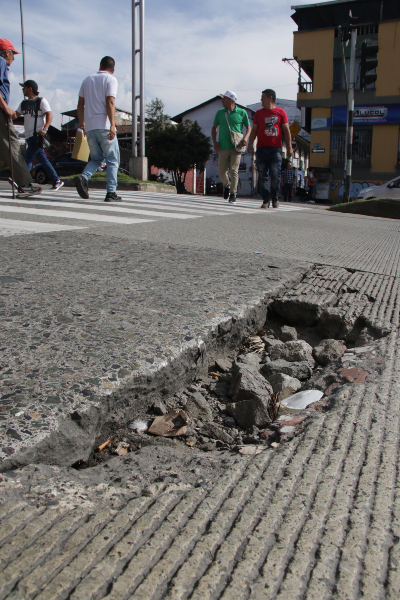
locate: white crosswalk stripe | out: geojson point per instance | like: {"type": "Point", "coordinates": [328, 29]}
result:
{"type": "Point", "coordinates": [135, 209]}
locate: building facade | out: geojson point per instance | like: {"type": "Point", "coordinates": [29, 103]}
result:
{"type": "Point", "coordinates": [322, 96]}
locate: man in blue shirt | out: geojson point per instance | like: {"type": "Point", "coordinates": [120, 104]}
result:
{"type": "Point", "coordinates": [21, 173]}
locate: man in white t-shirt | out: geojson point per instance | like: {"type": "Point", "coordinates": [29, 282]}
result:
{"type": "Point", "coordinates": [28, 109]}
{"type": "Point", "coordinates": [96, 114]}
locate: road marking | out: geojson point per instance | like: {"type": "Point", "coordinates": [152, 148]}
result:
{"type": "Point", "coordinates": [72, 215]}
{"type": "Point", "coordinates": [9, 227]}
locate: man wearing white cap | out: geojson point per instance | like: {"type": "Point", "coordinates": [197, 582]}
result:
{"type": "Point", "coordinates": [229, 119]}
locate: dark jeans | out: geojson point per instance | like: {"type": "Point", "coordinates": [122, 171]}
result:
{"type": "Point", "coordinates": [32, 151]}
{"type": "Point", "coordinates": [287, 191]}
{"type": "Point", "coordinates": [311, 192]}
{"type": "Point", "coordinates": [269, 162]}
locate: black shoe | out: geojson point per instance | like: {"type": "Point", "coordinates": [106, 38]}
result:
{"type": "Point", "coordinates": [232, 198]}
{"type": "Point", "coordinates": [81, 185]}
{"type": "Point", "coordinates": [265, 205]}
{"type": "Point", "coordinates": [275, 203]}
{"type": "Point", "coordinates": [226, 193]}
{"type": "Point", "coordinates": [112, 197]}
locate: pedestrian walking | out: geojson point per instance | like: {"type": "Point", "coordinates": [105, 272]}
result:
{"type": "Point", "coordinates": [96, 114]}
{"type": "Point", "coordinates": [9, 142]}
{"type": "Point", "coordinates": [230, 120]}
{"type": "Point", "coordinates": [270, 125]}
{"type": "Point", "coordinates": [37, 119]}
{"type": "Point", "coordinates": [289, 179]}
{"type": "Point", "coordinates": [310, 184]}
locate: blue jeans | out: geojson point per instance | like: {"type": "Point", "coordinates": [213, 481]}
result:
{"type": "Point", "coordinates": [269, 162]}
{"type": "Point", "coordinates": [101, 148]}
{"type": "Point", "coordinates": [33, 151]}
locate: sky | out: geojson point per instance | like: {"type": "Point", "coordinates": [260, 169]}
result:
{"type": "Point", "coordinates": [193, 50]}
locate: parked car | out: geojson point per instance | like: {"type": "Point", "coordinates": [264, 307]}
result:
{"type": "Point", "coordinates": [211, 187]}
{"type": "Point", "coordinates": [64, 165]}
{"type": "Point", "coordinates": [390, 189]}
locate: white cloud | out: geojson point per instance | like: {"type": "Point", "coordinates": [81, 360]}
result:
{"type": "Point", "coordinates": [193, 50]}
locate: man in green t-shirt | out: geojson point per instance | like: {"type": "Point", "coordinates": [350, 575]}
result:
{"type": "Point", "coordinates": [229, 158]}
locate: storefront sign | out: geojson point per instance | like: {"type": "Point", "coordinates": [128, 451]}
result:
{"type": "Point", "coordinates": [388, 114]}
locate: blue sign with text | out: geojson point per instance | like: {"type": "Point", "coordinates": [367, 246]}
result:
{"type": "Point", "coordinates": [385, 114]}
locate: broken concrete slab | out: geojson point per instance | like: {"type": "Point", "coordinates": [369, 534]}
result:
{"type": "Point", "coordinates": [271, 342]}
{"type": "Point", "coordinates": [328, 350]}
{"type": "Point", "coordinates": [212, 430]}
{"type": "Point", "coordinates": [250, 359]}
{"type": "Point", "coordinates": [288, 333]}
{"type": "Point", "coordinates": [248, 384]}
{"type": "Point", "coordinates": [251, 412]}
{"type": "Point", "coordinates": [223, 364]}
{"type": "Point", "coordinates": [293, 351]}
{"type": "Point", "coordinates": [284, 385]}
{"type": "Point", "coordinates": [298, 370]}
{"type": "Point", "coordinates": [197, 407]}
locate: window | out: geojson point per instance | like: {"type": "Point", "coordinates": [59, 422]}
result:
{"type": "Point", "coordinates": [362, 143]}
{"type": "Point", "coordinates": [338, 75]}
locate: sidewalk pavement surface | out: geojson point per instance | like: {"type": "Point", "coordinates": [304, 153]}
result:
{"type": "Point", "coordinates": [93, 318]}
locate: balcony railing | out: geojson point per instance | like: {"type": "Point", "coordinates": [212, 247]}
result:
{"type": "Point", "coordinates": [306, 87]}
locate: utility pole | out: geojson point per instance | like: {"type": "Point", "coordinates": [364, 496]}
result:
{"type": "Point", "coordinates": [138, 164]}
{"type": "Point", "coordinates": [23, 42]}
{"type": "Point", "coordinates": [350, 114]}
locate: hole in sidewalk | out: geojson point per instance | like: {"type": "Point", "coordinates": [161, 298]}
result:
{"type": "Point", "coordinates": [237, 405]}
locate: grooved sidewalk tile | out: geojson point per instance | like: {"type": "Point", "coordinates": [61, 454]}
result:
{"type": "Point", "coordinates": [41, 576]}
{"type": "Point", "coordinates": [96, 582]}
{"type": "Point", "coordinates": [203, 552]}
{"type": "Point", "coordinates": [158, 543]}
{"type": "Point", "coordinates": [214, 580]}
{"type": "Point", "coordinates": [28, 536]}
{"type": "Point", "coordinates": [155, 584]}
{"type": "Point", "coordinates": [15, 518]}
{"type": "Point", "coordinates": [62, 585]}
{"type": "Point", "coordinates": [50, 542]}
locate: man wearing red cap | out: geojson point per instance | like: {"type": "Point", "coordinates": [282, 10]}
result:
{"type": "Point", "coordinates": [21, 173]}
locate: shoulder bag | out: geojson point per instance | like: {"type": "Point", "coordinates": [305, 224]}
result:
{"type": "Point", "coordinates": [42, 141]}
{"type": "Point", "coordinates": [236, 138]}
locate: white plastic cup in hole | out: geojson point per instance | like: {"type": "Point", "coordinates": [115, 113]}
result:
{"type": "Point", "coordinates": [301, 400]}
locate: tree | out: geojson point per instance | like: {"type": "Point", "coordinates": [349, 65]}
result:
{"type": "Point", "coordinates": [178, 148]}
{"type": "Point", "coordinates": [155, 117]}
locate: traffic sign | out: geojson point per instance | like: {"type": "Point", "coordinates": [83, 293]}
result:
{"type": "Point", "coordinates": [294, 146]}
{"type": "Point", "coordinates": [294, 129]}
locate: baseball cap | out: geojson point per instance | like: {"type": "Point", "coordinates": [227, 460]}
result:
{"type": "Point", "coordinates": [230, 95]}
{"type": "Point", "coordinates": [32, 84]}
{"type": "Point", "coordinates": [7, 45]}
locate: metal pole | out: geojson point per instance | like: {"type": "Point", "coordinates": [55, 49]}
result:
{"type": "Point", "coordinates": [350, 115]}
{"type": "Point", "coordinates": [134, 83]}
{"type": "Point", "coordinates": [23, 42]}
{"type": "Point", "coordinates": [142, 110]}
{"type": "Point", "coordinates": [347, 101]}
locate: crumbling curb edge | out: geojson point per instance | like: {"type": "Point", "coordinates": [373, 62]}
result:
{"type": "Point", "coordinates": [78, 432]}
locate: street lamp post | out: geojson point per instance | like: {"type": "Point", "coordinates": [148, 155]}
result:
{"type": "Point", "coordinates": [23, 41]}
{"type": "Point", "coordinates": [138, 160]}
